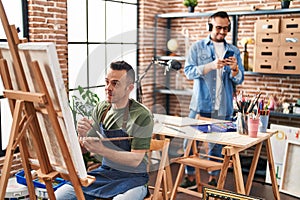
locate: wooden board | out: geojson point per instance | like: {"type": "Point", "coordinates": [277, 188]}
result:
{"type": "Point", "coordinates": [224, 138]}
{"type": "Point", "coordinates": [291, 172]}
{"type": "Point", "coordinates": [46, 55]}
{"type": "Point", "coordinates": [178, 121]}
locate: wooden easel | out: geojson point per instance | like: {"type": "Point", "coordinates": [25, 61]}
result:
{"type": "Point", "coordinates": [22, 104]}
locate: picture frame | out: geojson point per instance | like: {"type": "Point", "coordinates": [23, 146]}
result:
{"type": "Point", "coordinates": [291, 173]}
{"type": "Point", "coordinates": [217, 194]}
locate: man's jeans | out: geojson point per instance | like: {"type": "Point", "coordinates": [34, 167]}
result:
{"type": "Point", "coordinates": [66, 192]}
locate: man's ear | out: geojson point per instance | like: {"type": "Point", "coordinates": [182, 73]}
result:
{"type": "Point", "coordinates": [130, 87]}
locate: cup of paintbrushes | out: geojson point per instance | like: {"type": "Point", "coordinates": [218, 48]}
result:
{"type": "Point", "coordinates": [242, 126]}
{"type": "Point", "coordinates": [263, 120]}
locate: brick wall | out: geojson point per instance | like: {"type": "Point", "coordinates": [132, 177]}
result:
{"type": "Point", "coordinates": [48, 23]}
{"type": "Point", "coordinates": [192, 29]}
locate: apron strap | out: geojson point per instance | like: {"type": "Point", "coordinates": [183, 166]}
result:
{"type": "Point", "coordinates": [104, 114]}
{"type": "Point", "coordinates": [125, 116]}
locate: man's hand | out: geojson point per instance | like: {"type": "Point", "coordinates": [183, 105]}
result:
{"type": "Point", "coordinates": [233, 65]}
{"type": "Point", "coordinates": [220, 63]}
{"type": "Point", "coordinates": [216, 64]}
{"type": "Point", "coordinates": [83, 126]}
{"type": "Point", "coordinates": [92, 144]}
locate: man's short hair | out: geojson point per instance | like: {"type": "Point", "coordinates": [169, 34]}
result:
{"type": "Point", "coordinates": [122, 65]}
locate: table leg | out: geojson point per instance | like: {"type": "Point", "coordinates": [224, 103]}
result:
{"type": "Point", "coordinates": [238, 174]}
{"type": "Point", "coordinates": [253, 167]}
{"type": "Point", "coordinates": [180, 171]}
{"type": "Point", "coordinates": [223, 173]}
{"type": "Point", "coordinates": [168, 169]}
{"type": "Point", "coordinates": [272, 170]}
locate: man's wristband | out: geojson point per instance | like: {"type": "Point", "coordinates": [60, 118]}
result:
{"type": "Point", "coordinates": [235, 70]}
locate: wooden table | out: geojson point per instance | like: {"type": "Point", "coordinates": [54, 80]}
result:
{"type": "Point", "coordinates": [234, 143]}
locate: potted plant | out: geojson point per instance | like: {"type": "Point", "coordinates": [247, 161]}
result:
{"type": "Point", "coordinates": [83, 106]}
{"type": "Point", "coordinates": [190, 4]}
{"type": "Point", "coordinates": [285, 3]}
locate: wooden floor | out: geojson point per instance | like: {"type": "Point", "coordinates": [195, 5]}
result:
{"type": "Point", "coordinates": [259, 188]}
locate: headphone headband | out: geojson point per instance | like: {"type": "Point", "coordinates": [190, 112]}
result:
{"type": "Point", "coordinates": [221, 14]}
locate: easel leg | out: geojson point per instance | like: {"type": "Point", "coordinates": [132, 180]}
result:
{"type": "Point", "coordinates": [50, 190]}
{"type": "Point", "coordinates": [59, 134]}
{"type": "Point", "coordinates": [272, 170]}
{"type": "Point", "coordinates": [27, 169]}
{"type": "Point", "coordinates": [10, 151]}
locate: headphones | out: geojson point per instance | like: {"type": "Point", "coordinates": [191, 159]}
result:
{"type": "Point", "coordinates": [209, 26]}
{"type": "Point", "coordinates": [221, 14]}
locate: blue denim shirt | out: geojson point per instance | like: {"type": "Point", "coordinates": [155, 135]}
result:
{"type": "Point", "coordinates": [204, 88]}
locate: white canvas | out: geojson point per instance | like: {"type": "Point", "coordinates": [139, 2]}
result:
{"type": "Point", "coordinates": [46, 55]}
{"type": "Point", "coordinates": [278, 143]}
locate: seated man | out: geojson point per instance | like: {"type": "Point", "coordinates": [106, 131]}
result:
{"type": "Point", "coordinates": [123, 173]}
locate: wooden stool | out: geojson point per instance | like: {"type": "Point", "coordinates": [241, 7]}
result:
{"type": "Point", "coordinates": [197, 161]}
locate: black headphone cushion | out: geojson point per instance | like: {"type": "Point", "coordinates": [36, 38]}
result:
{"type": "Point", "coordinates": [210, 27]}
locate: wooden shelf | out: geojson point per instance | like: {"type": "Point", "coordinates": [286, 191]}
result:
{"type": "Point", "coordinates": [178, 58]}
{"type": "Point", "coordinates": [281, 114]}
{"type": "Point", "coordinates": [239, 13]}
{"type": "Point", "coordinates": [187, 92]}
{"type": "Point", "coordinates": [268, 74]}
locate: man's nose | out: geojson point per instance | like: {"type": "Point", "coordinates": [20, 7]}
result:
{"type": "Point", "coordinates": [108, 86]}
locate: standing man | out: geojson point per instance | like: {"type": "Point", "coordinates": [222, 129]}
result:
{"type": "Point", "coordinates": [123, 173]}
{"type": "Point", "coordinates": [215, 78]}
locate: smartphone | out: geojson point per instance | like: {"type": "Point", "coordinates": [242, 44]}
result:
{"type": "Point", "coordinates": [228, 54]}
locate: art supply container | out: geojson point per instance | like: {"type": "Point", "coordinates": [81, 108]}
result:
{"type": "Point", "coordinates": [16, 191]}
{"type": "Point", "coordinates": [241, 124]}
{"type": "Point", "coordinates": [41, 193]}
{"type": "Point", "coordinates": [253, 124]}
{"type": "Point", "coordinates": [263, 122]}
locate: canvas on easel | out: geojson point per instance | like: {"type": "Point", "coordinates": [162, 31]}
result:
{"type": "Point", "coordinates": [42, 125]}
{"type": "Point", "coordinates": [46, 55]}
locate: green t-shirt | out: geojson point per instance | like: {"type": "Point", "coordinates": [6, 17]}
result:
{"type": "Point", "coordinates": [139, 123]}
